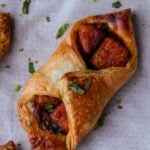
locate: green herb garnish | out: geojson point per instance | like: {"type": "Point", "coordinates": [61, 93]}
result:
{"type": "Point", "coordinates": [88, 84]}
{"type": "Point", "coordinates": [31, 67]}
{"type": "Point", "coordinates": [119, 107]}
{"type": "Point", "coordinates": [116, 4]}
{"type": "Point", "coordinates": [17, 88]}
{"type": "Point", "coordinates": [58, 134]}
{"type": "Point", "coordinates": [93, 0]}
{"type": "Point", "coordinates": [75, 87]}
{"type": "Point", "coordinates": [48, 19]}
{"type": "Point", "coordinates": [25, 6]}
{"type": "Point", "coordinates": [61, 30]}
{"type": "Point", "coordinates": [21, 49]}
{"type": "Point", "coordinates": [48, 107]}
{"type": "Point", "coordinates": [29, 123]}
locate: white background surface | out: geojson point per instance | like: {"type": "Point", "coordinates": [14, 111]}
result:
{"type": "Point", "coordinates": [125, 129]}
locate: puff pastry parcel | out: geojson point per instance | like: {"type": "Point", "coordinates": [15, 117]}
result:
{"type": "Point", "coordinates": [8, 146]}
{"type": "Point", "coordinates": [4, 33]}
{"type": "Point", "coordinates": [63, 100]}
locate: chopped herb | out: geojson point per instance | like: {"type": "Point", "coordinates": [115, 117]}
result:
{"type": "Point", "coordinates": [31, 66]}
{"type": "Point", "coordinates": [116, 4]}
{"type": "Point", "coordinates": [93, 0]}
{"type": "Point", "coordinates": [61, 30]}
{"type": "Point", "coordinates": [7, 66]}
{"type": "Point", "coordinates": [29, 123]}
{"type": "Point", "coordinates": [88, 84]}
{"type": "Point", "coordinates": [25, 6]}
{"type": "Point", "coordinates": [75, 87]}
{"type": "Point", "coordinates": [48, 107]}
{"type": "Point", "coordinates": [119, 107]}
{"type": "Point", "coordinates": [17, 88]}
{"type": "Point", "coordinates": [21, 49]}
{"type": "Point", "coordinates": [48, 19]}
{"type": "Point", "coordinates": [58, 134]}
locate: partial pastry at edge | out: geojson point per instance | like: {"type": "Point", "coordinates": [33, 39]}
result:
{"type": "Point", "coordinates": [63, 100]}
{"type": "Point", "coordinates": [4, 33]}
{"type": "Point", "coordinates": [8, 146]}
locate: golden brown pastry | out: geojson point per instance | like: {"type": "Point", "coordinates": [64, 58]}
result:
{"type": "Point", "coordinates": [4, 33]}
{"type": "Point", "coordinates": [8, 146]}
{"type": "Point", "coordinates": [63, 100]}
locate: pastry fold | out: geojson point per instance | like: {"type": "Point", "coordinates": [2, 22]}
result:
{"type": "Point", "coordinates": [84, 86]}
{"type": "Point", "coordinates": [4, 33]}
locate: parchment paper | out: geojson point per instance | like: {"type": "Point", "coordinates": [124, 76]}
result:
{"type": "Point", "coordinates": [124, 129]}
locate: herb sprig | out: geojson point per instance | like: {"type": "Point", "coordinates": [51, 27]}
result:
{"type": "Point", "coordinates": [25, 6]}
{"type": "Point", "coordinates": [17, 88]}
{"type": "Point", "coordinates": [116, 4]}
{"type": "Point", "coordinates": [48, 107]}
{"type": "Point", "coordinates": [48, 19]}
{"type": "Point", "coordinates": [61, 30]}
{"type": "Point", "coordinates": [31, 66]}
{"type": "Point", "coordinates": [76, 88]}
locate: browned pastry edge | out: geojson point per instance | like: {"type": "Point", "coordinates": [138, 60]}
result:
{"type": "Point", "coordinates": [4, 33]}
{"type": "Point", "coordinates": [66, 64]}
{"type": "Point", "coordinates": [8, 146]}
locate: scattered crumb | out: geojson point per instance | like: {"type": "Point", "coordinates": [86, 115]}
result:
{"type": "Point", "coordinates": [36, 62]}
{"type": "Point", "coordinates": [118, 101]}
{"type": "Point", "coordinates": [21, 49]}
{"type": "Point", "coordinates": [120, 107]}
{"type": "Point", "coordinates": [7, 66]}
{"type": "Point", "coordinates": [3, 5]}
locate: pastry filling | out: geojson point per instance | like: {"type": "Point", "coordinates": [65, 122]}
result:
{"type": "Point", "coordinates": [51, 114]}
{"type": "Point", "coordinates": [100, 48]}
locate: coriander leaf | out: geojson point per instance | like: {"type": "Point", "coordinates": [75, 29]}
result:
{"type": "Point", "coordinates": [58, 134]}
{"type": "Point", "coordinates": [61, 30]}
{"type": "Point", "coordinates": [88, 84]}
{"type": "Point", "coordinates": [48, 19]}
{"type": "Point", "coordinates": [116, 4]}
{"type": "Point", "coordinates": [75, 87]}
{"type": "Point", "coordinates": [48, 107]}
{"type": "Point", "coordinates": [17, 88]}
{"type": "Point", "coordinates": [25, 6]}
{"type": "Point", "coordinates": [31, 67]}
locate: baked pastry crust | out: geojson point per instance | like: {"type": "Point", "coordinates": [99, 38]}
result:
{"type": "Point", "coordinates": [8, 146]}
{"type": "Point", "coordinates": [4, 33]}
{"type": "Point", "coordinates": [52, 79]}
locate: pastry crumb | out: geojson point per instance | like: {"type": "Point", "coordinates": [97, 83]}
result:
{"type": "Point", "coordinates": [3, 5]}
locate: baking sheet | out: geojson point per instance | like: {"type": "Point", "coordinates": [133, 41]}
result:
{"type": "Point", "coordinates": [124, 129]}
